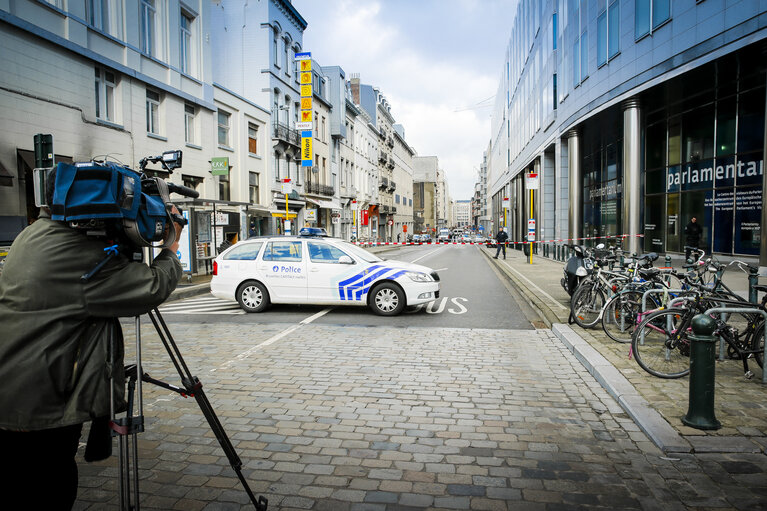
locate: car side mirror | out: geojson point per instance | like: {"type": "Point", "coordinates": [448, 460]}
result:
{"type": "Point", "coordinates": [345, 260]}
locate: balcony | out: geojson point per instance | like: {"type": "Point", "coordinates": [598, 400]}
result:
{"type": "Point", "coordinates": [384, 184]}
{"type": "Point", "coordinates": [390, 141]}
{"type": "Point", "coordinates": [390, 162]}
{"type": "Point", "coordinates": [385, 209]}
{"type": "Point", "coordinates": [394, 209]}
{"type": "Point", "coordinates": [383, 157]}
{"type": "Point", "coordinates": [285, 133]}
{"type": "Point", "coordinates": [318, 189]}
{"type": "Point", "coordinates": [392, 186]}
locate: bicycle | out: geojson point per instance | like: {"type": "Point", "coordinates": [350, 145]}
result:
{"type": "Point", "coordinates": [661, 342]}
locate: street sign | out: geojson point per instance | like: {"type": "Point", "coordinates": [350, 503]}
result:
{"type": "Point", "coordinates": [532, 182]}
{"type": "Point", "coordinates": [531, 229]}
{"type": "Point", "coordinates": [390, 222]}
{"type": "Point", "coordinates": [307, 155]}
{"type": "Point", "coordinates": [311, 215]}
{"type": "Point", "coordinates": [287, 227]}
{"type": "Point", "coordinates": [286, 186]}
{"type": "Point", "coordinates": [304, 55]}
{"type": "Point", "coordinates": [506, 203]}
{"type": "Point", "coordinates": [219, 166]}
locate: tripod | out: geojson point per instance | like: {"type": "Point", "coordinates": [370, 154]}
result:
{"type": "Point", "coordinates": [127, 428]}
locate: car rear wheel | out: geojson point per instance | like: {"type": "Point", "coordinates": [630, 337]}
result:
{"type": "Point", "coordinates": [387, 299]}
{"type": "Point", "coordinates": [252, 296]}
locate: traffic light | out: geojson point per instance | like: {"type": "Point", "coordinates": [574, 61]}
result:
{"type": "Point", "coordinates": [43, 151]}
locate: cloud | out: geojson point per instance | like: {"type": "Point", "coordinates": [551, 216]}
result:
{"type": "Point", "coordinates": [423, 73]}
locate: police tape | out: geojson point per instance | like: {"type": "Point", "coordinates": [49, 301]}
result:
{"type": "Point", "coordinates": [492, 242]}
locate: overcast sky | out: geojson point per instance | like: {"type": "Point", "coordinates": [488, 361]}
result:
{"type": "Point", "coordinates": [438, 62]}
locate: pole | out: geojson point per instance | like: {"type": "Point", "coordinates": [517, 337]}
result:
{"type": "Point", "coordinates": [531, 216]}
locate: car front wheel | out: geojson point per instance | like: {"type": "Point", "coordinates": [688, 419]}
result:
{"type": "Point", "coordinates": [387, 299]}
{"type": "Point", "coordinates": [252, 296]}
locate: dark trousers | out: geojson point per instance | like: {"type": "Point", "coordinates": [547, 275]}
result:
{"type": "Point", "coordinates": [501, 246]}
{"type": "Point", "coordinates": [39, 469]}
{"type": "Point", "coordinates": [688, 248]}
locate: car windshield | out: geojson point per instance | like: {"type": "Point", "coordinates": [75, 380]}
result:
{"type": "Point", "coordinates": [359, 252]}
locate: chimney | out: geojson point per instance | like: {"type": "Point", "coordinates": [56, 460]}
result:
{"type": "Point", "coordinates": [355, 82]}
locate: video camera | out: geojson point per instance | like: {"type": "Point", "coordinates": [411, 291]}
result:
{"type": "Point", "coordinates": [112, 200]}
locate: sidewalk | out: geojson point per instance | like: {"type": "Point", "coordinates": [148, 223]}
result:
{"type": "Point", "coordinates": [654, 403]}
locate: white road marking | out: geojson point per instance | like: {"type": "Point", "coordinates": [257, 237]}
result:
{"type": "Point", "coordinates": [425, 255]}
{"type": "Point", "coordinates": [245, 354]}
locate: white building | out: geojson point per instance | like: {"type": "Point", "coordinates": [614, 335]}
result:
{"type": "Point", "coordinates": [462, 213]}
{"type": "Point", "coordinates": [118, 80]}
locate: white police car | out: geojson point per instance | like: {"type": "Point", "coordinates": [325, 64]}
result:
{"type": "Point", "coordinates": [312, 269]}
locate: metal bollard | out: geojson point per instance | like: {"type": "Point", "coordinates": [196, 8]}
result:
{"type": "Point", "coordinates": [753, 280]}
{"type": "Point", "coordinates": [700, 412]}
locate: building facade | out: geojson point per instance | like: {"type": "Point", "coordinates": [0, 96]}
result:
{"type": "Point", "coordinates": [106, 81]}
{"type": "Point", "coordinates": [462, 213]}
{"type": "Point", "coordinates": [636, 116]}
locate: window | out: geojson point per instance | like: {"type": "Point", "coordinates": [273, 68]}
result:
{"type": "Point", "coordinates": [152, 112]}
{"type": "Point", "coordinates": [223, 128]}
{"type": "Point", "coordinates": [252, 138]}
{"type": "Point", "coordinates": [316, 124]}
{"type": "Point", "coordinates": [191, 181]}
{"type": "Point", "coordinates": [186, 50]}
{"type": "Point", "coordinates": [189, 115]}
{"type": "Point", "coordinates": [244, 251]}
{"type": "Point", "coordinates": [223, 187]}
{"type": "Point", "coordinates": [276, 160]}
{"type": "Point", "coordinates": [286, 47]}
{"type": "Point", "coordinates": [554, 35]}
{"type": "Point", "coordinates": [322, 133]}
{"type": "Point", "coordinates": [554, 91]}
{"type": "Point", "coordinates": [649, 15]}
{"type": "Point", "coordinates": [275, 46]}
{"type": "Point", "coordinates": [253, 187]}
{"type": "Point", "coordinates": [324, 253]}
{"type": "Point", "coordinates": [105, 15]}
{"type": "Point", "coordinates": [148, 24]}
{"type": "Point", "coordinates": [581, 46]}
{"type": "Point", "coordinates": [608, 33]}
{"type": "Point", "coordinates": [105, 95]}
{"type": "Point", "coordinates": [283, 251]}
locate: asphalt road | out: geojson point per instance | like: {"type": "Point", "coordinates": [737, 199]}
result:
{"type": "Point", "coordinates": [473, 295]}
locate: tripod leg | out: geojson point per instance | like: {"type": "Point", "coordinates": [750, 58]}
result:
{"type": "Point", "coordinates": [194, 387]}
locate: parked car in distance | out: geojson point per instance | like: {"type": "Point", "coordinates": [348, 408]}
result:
{"type": "Point", "coordinates": [316, 269]}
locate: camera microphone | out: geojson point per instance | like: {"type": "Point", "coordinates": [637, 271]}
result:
{"type": "Point", "coordinates": [183, 190]}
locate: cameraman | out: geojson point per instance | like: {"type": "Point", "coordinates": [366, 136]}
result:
{"type": "Point", "coordinates": [55, 351]}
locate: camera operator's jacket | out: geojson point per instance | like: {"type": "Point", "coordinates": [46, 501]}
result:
{"type": "Point", "coordinates": [54, 339]}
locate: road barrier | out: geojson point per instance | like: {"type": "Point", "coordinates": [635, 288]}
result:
{"type": "Point", "coordinates": [507, 243]}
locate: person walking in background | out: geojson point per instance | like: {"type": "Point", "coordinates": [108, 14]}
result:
{"type": "Point", "coordinates": [693, 232]}
{"type": "Point", "coordinates": [501, 238]}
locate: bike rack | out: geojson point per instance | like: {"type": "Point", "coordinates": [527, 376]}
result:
{"type": "Point", "coordinates": [750, 310]}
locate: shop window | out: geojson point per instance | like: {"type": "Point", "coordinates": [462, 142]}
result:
{"type": "Point", "coordinates": [674, 141]}
{"type": "Point", "coordinates": [748, 218]}
{"type": "Point", "coordinates": [223, 188]}
{"type": "Point", "coordinates": [673, 229]}
{"type": "Point", "coordinates": [698, 134]}
{"type": "Point", "coordinates": [725, 127]}
{"type": "Point", "coordinates": [699, 205]}
{"type": "Point", "coordinates": [655, 143]}
{"type": "Point", "coordinates": [654, 235]}
{"type": "Point", "coordinates": [751, 121]}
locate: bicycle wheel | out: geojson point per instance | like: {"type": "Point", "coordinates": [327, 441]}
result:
{"type": "Point", "coordinates": [620, 315]}
{"type": "Point", "coordinates": [586, 304]}
{"type": "Point", "coordinates": [757, 343]}
{"type": "Point", "coordinates": [651, 341]}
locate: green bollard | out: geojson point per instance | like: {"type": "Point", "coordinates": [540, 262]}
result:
{"type": "Point", "coordinates": [753, 280]}
{"type": "Point", "coordinates": [700, 413]}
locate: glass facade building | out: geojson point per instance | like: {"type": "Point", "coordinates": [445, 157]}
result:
{"type": "Point", "coordinates": [637, 115]}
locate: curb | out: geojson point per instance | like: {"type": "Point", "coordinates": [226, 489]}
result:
{"type": "Point", "coordinates": [648, 419]}
{"type": "Point", "coordinates": [188, 291]}
{"type": "Point", "coordinates": [652, 423]}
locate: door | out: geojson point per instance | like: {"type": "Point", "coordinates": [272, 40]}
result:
{"type": "Point", "coordinates": [324, 271]}
{"type": "Point", "coordinates": [284, 271]}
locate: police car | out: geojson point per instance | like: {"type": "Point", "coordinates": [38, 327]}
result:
{"type": "Point", "coordinates": [314, 269]}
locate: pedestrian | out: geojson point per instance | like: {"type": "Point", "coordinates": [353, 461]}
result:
{"type": "Point", "coordinates": [398, 236]}
{"type": "Point", "coordinates": [501, 238]}
{"type": "Point", "coordinates": [56, 357]}
{"type": "Point", "coordinates": [693, 232]}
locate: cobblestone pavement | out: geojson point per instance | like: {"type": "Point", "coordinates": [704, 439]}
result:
{"type": "Point", "coordinates": [740, 404]}
{"type": "Point", "coordinates": [354, 418]}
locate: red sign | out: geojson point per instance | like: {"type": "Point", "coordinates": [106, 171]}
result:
{"type": "Point", "coordinates": [364, 216]}
{"type": "Point", "coordinates": [404, 228]}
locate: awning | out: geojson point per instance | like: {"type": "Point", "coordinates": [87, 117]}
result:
{"type": "Point", "coordinates": [330, 204]}
{"type": "Point", "coordinates": [313, 201]}
{"type": "Point", "coordinates": [6, 178]}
